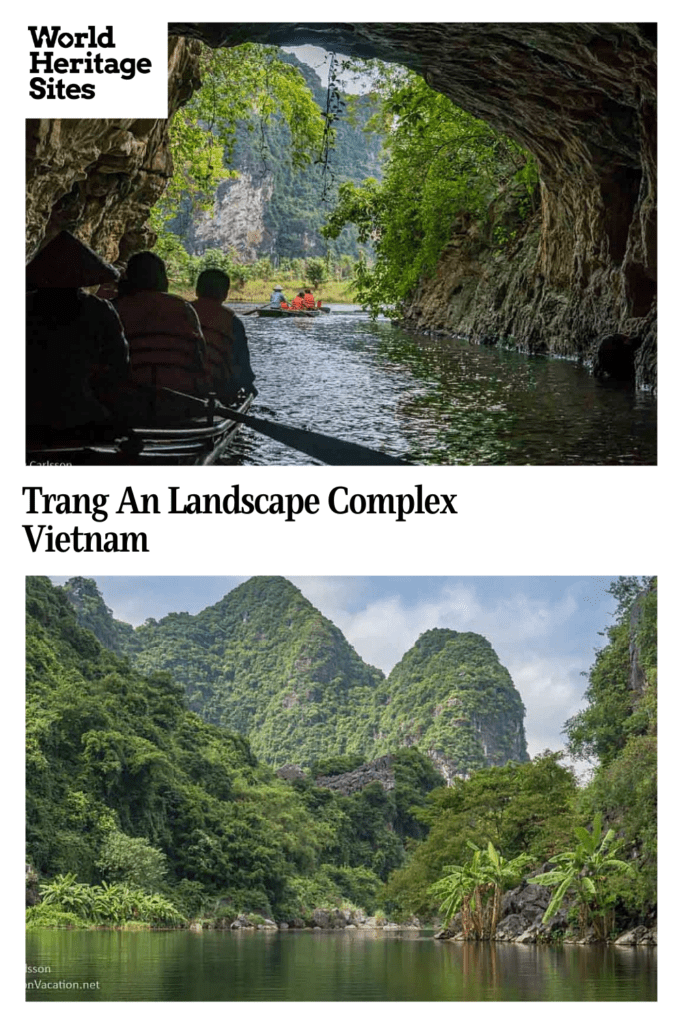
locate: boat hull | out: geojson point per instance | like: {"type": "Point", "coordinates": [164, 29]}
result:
{"type": "Point", "coordinates": [278, 313]}
{"type": "Point", "coordinates": [193, 442]}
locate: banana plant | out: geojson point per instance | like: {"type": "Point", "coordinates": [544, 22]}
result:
{"type": "Point", "coordinates": [586, 872]}
{"type": "Point", "coordinates": [476, 889]}
{"type": "Point", "coordinates": [67, 894]}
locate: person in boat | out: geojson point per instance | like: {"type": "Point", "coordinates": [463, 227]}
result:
{"type": "Point", "coordinates": [298, 301]}
{"type": "Point", "coordinates": [226, 340]}
{"type": "Point", "coordinates": [76, 350]}
{"type": "Point", "coordinates": [309, 301]}
{"type": "Point", "coordinates": [277, 299]}
{"type": "Point", "coordinates": [167, 346]}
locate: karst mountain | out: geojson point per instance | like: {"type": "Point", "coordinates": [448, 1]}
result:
{"type": "Point", "coordinates": [264, 662]}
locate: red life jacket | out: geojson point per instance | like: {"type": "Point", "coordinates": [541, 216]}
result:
{"type": "Point", "coordinates": [216, 321]}
{"type": "Point", "coordinates": [167, 347]}
{"type": "Point", "coordinates": [297, 302]}
{"type": "Point", "coordinates": [309, 301]}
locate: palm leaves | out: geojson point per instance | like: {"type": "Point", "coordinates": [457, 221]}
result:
{"type": "Point", "coordinates": [587, 871]}
{"type": "Point", "coordinates": [475, 890]}
{"type": "Point", "coordinates": [109, 904]}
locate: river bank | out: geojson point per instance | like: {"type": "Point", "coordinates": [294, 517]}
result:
{"type": "Point", "coordinates": [521, 923]}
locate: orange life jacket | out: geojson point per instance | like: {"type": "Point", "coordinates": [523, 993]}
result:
{"type": "Point", "coordinates": [309, 301]}
{"type": "Point", "coordinates": [216, 321]}
{"type": "Point", "coordinates": [284, 305]}
{"type": "Point", "coordinates": [297, 302]}
{"type": "Point", "coordinates": [167, 347]}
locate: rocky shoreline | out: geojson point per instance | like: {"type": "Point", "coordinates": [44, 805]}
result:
{"type": "Point", "coordinates": [521, 922]}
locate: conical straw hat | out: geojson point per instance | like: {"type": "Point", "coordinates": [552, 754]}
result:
{"type": "Point", "coordinates": [65, 262]}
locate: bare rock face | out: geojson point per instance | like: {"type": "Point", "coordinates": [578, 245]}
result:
{"type": "Point", "coordinates": [99, 178]}
{"type": "Point", "coordinates": [380, 770]}
{"type": "Point", "coordinates": [236, 220]}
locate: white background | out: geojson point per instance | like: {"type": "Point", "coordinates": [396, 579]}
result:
{"type": "Point", "coordinates": [516, 520]}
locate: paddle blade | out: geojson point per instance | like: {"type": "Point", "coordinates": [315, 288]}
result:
{"type": "Point", "coordinates": [330, 450]}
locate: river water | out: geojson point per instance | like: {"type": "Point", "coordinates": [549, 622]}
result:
{"type": "Point", "coordinates": [435, 401]}
{"type": "Point", "coordinates": [322, 966]}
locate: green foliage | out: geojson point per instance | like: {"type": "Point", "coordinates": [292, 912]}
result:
{"type": "Point", "coordinates": [619, 727]}
{"type": "Point", "coordinates": [599, 731]}
{"type": "Point", "coordinates": [522, 809]}
{"type": "Point", "coordinates": [125, 783]}
{"type": "Point", "coordinates": [316, 271]}
{"type": "Point", "coordinates": [101, 904]}
{"type": "Point", "coordinates": [442, 166]}
{"type": "Point", "coordinates": [94, 615]}
{"type": "Point", "coordinates": [626, 589]}
{"type": "Point", "coordinates": [263, 662]}
{"type": "Point", "coordinates": [615, 711]}
{"type": "Point", "coordinates": [261, 113]}
{"type": "Point", "coordinates": [246, 84]}
{"type": "Point", "coordinates": [338, 765]}
{"type": "Point", "coordinates": [475, 890]}
{"type": "Point", "coordinates": [134, 860]}
{"type": "Point", "coordinates": [586, 872]}
{"type": "Point", "coordinates": [450, 694]}
{"type": "Point", "coordinates": [48, 916]}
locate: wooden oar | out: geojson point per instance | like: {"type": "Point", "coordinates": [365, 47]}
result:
{"type": "Point", "coordinates": [330, 450]}
{"type": "Point", "coordinates": [255, 309]}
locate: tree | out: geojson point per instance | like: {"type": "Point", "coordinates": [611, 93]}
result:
{"type": "Point", "coordinates": [587, 872]}
{"type": "Point", "coordinates": [475, 890]}
{"type": "Point", "coordinates": [442, 165]}
{"type": "Point", "coordinates": [316, 271]}
{"type": "Point", "coordinates": [134, 860]}
{"type": "Point", "coordinates": [519, 808]}
{"type": "Point", "coordinates": [249, 85]}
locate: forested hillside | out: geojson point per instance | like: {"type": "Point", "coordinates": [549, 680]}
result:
{"type": "Point", "coordinates": [265, 663]}
{"type": "Point", "coordinates": [125, 784]}
{"type": "Point", "coordinates": [450, 695]}
{"type": "Point", "coordinates": [603, 834]}
{"type": "Point", "coordinates": [289, 198]}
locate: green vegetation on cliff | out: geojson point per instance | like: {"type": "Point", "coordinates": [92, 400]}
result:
{"type": "Point", "coordinates": [618, 729]}
{"type": "Point", "coordinates": [265, 663]}
{"type": "Point", "coordinates": [127, 787]}
{"type": "Point", "coordinates": [537, 810]}
{"type": "Point", "coordinates": [441, 166]}
{"type": "Point", "coordinates": [450, 695]}
{"type": "Point", "coordinates": [262, 113]}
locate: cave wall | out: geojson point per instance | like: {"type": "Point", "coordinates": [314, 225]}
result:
{"type": "Point", "coordinates": [581, 97]}
{"type": "Point", "coordinates": [99, 178]}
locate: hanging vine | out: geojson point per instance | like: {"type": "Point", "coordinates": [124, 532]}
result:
{"type": "Point", "coordinates": [334, 109]}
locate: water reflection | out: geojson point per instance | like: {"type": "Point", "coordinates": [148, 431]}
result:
{"type": "Point", "coordinates": [436, 400]}
{"type": "Point", "coordinates": [322, 966]}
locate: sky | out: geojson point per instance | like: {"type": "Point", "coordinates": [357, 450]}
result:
{"type": "Point", "coordinates": [319, 59]}
{"type": "Point", "coordinates": [545, 630]}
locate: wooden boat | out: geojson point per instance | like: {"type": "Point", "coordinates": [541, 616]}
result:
{"type": "Point", "coordinates": [267, 312]}
{"type": "Point", "coordinates": [200, 441]}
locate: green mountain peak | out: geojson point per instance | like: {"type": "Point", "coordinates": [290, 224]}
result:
{"type": "Point", "coordinates": [264, 662]}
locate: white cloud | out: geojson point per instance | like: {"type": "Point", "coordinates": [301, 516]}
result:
{"type": "Point", "coordinates": [552, 689]}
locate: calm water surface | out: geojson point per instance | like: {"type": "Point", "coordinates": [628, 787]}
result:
{"type": "Point", "coordinates": [314, 966]}
{"type": "Point", "coordinates": [436, 401]}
